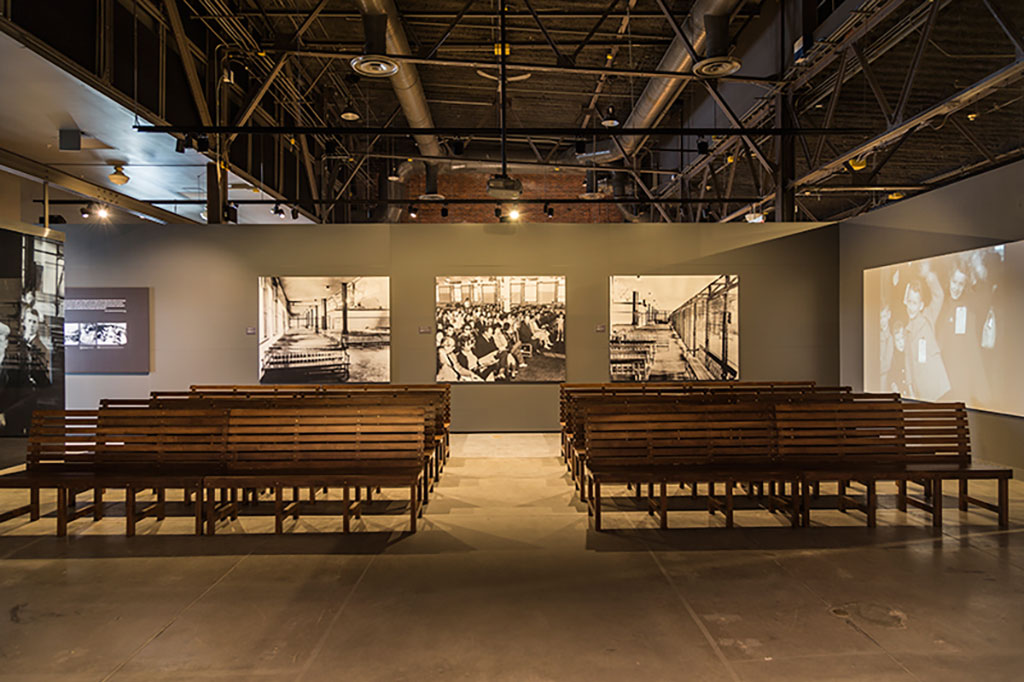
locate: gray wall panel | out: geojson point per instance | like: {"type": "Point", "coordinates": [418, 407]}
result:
{"type": "Point", "coordinates": [205, 295]}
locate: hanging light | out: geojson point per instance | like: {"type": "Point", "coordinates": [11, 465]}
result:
{"type": "Point", "coordinates": [118, 177]}
{"type": "Point", "coordinates": [548, 211]}
{"type": "Point", "coordinates": [85, 212]}
{"type": "Point", "coordinates": [413, 211]}
{"type": "Point", "coordinates": [754, 217]}
{"type": "Point", "coordinates": [295, 213]}
{"type": "Point", "coordinates": [610, 121]}
{"type": "Point", "coordinates": [350, 114]}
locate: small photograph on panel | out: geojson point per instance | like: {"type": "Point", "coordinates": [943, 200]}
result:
{"type": "Point", "coordinates": [112, 334]}
{"type": "Point", "coordinates": [72, 333]}
{"type": "Point", "coordinates": [323, 330]}
{"type": "Point", "coordinates": [675, 328]}
{"type": "Point", "coordinates": [500, 329]}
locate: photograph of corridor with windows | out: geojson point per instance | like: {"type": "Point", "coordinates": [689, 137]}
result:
{"type": "Point", "coordinates": [674, 328]}
{"type": "Point", "coordinates": [320, 330]}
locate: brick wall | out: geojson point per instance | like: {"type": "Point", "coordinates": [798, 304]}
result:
{"type": "Point", "coordinates": [463, 185]}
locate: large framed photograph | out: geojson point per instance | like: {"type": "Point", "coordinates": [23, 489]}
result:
{"type": "Point", "coordinates": [674, 328]}
{"type": "Point", "coordinates": [500, 329]}
{"type": "Point", "coordinates": [323, 330]}
{"type": "Point", "coordinates": [31, 327]}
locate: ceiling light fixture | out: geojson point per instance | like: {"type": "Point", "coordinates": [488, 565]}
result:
{"type": "Point", "coordinates": [413, 211]}
{"type": "Point", "coordinates": [202, 144]}
{"type": "Point", "coordinates": [86, 213]}
{"type": "Point", "coordinates": [754, 217]}
{"type": "Point", "coordinates": [374, 66]}
{"type": "Point", "coordinates": [548, 211]}
{"type": "Point", "coordinates": [118, 177]}
{"type": "Point", "coordinates": [295, 213]}
{"type": "Point", "coordinates": [350, 114]}
{"type": "Point", "coordinates": [610, 121]}
{"type": "Point", "coordinates": [103, 212]}
{"type": "Point", "coordinates": [514, 214]}
{"type": "Point", "coordinates": [497, 211]}
{"type": "Point", "coordinates": [444, 211]}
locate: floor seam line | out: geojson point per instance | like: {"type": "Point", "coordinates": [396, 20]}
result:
{"type": "Point", "coordinates": [173, 620]}
{"type": "Point", "coordinates": [696, 619]}
{"type": "Point", "coordinates": [334, 620]}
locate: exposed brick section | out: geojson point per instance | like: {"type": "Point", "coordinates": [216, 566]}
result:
{"type": "Point", "coordinates": [536, 186]}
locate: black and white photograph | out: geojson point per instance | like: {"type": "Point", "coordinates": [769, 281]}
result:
{"type": "Point", "coordinates": [948, 328]}
{"type": "Point", "coordinates": [500, 329]}
{"type": "Point", "coordinates": [31, 328]}
{"type": "Point", "coordinates": [674, 328]}
{"type": "Point", "coordinates": [322, 330]}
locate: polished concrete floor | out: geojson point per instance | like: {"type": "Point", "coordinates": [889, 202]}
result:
{"type": "Point", "coordinates": [505, 582]}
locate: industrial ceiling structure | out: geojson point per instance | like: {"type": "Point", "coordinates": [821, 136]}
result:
{"type": "Point", "coordinates": [342, 111]}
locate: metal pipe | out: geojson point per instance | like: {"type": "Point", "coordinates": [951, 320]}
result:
{"type": "Point", "coordinates": [661, 92]}
{"type": "Point", "coordinates": [406, 82]}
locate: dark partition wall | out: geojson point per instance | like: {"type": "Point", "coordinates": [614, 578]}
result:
{"type": "Point", "coordinates": [31, 326]}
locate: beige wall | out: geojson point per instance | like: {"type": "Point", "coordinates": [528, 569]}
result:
{"type": "Point", "coordinates": [204, 282]}
{"type": "Point", "coordinates": [987, 209]}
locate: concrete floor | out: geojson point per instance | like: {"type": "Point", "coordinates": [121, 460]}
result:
{"type": "Point", "coordinates": [505, 582]}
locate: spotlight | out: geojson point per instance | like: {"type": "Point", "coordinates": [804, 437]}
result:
{"type": "Point", "coordinates": [278, 211]}
{"type": "Point", "coordinates": [103, 212]}
{"type": "Point", "coordinates": [972, 117]}
{"type": "Point", "coordinates": [204, 215]}
{"type": "Point", "coordinates": [118, 177]}
{"type": "Point", "coordinates": [179, 145]}
{"type": "Point", "coordinates": [548, 211]}
{"type": "Point", "coordinates": [295, 213]}
{"type": "Point", "coordinates": [859, 164]}
{"type": "Point", "coordinates": [393, 175]}
{"type": "Point", "coordinates": [610, 121]}
{"type": "Point", "coordinates": [896, 196]}
{"type": "Point", "coordinates": [458, 147]}
{"type": "Point", "coordinates": [413, 211]}
{"type": "Point", "coordinates": [202, 144]}
{"type": "Point", "coordinates": [350, 114]}
{"type": "Point", "coordinates": [754, 217]}
{"type": "Point", "coordinates": [513, 214]}
{"type": "Point", "coordinates": [702, 146]}
{"type": "Point", "coordinates": [497, 211]}
{"type": "Point", "coordinates": [86, 212]}
{"type": "Point", "coordinates": [444, 211]}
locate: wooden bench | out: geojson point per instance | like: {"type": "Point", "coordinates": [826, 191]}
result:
{"type": "Point", "coordinates": [202, 450]}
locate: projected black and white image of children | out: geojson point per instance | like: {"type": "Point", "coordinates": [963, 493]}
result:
{"type": "Point", "coordinates": [674, 328]}
{"type": "Point", "coordinates": [500, 329]}
{"type": "Point", "coordinates": [325, 330]}
{"type": "Point", "coordinates": [943, 328]}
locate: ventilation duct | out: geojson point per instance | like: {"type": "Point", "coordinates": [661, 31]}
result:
{"type": "Point", "coordinates": [374, 62]}
{"type": "Point", "coordinates": [717, 62]}
{"type": "Point", "coordinates": [430, 192]}
{"type": "Point", "coordinates": [659, 93]}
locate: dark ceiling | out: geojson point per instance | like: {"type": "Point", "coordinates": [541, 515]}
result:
{"type": "Point", "coordinates": [963, 112]}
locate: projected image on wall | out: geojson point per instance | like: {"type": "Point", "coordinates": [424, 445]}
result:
{"type": "Point", "coordinates": [321, 330]}
{"type": "Point", "coordinates": [948, 328]}
{"type": "Point", "coordinates": [674, 328]}
{"type": "Point", "coordinates": [31, 329]}
{"type": "Point", "coordinates": [500, 329]}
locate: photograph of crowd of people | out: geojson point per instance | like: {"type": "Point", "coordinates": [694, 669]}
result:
{"type": "Point", "coordinates": [948, 328]}
{"type": "Point", "coordinates": [95, 334]}
{"type": "Point", "coordinates": [31, 329]}
{"type": "Point", "coordinates": [500, 329]}
{"type": "Point", "coordinates": [674, 328]}
{"type": "Point", "coordinates": [324, 330]}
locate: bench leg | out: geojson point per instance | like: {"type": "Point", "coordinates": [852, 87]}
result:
{"type": "Point", "coordinates": [233, 500]}
{"type": "Point", "coordinates": [901, 495]}
{"type": "Point", "coordinates": [97, 504]}
{"type": "Point", "coordinates": [211, 511]}
{"type": "Point", "coordinates": [595, 492]}
{"type": "Point", "coordinates": [872, 506]}
{"type": "Point", "coordinates": [728, 504]}
{"type": "Point", "coordinates": [345, 512]}
{"type": "Point", "coordinates": [62, 512]}
{"type": "Point", "coordinates": [278, 509]}
{"type": "Point", "coordinates": [805, 504]}
{"type": "Point", "coordinates": [199, 504]}
{"type": "Point", "coordinates": [369, 494]}
{"type": "Point", "coordinates": [33, 504]}
{"type": "Point", "coordinates": [663, 506]}
{"type": "Point", "coordinates": [129, 511]}
{"type": "Point", "coordinates": [963, 494]}
{"type": "Point", "coordinates": [794, 502]}
{"type": "Point", "coordinates": [414, 502]}
{"type": "Point", "coordinates": [161, 504]}
{"type": "Point", "coordinates": [1004, 503]}
{"type": "Point", "coordinates": [936, 488]}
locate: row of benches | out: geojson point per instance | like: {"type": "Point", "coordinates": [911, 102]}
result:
{"type": "Point", "coordinates": [792, 436]}
{"type": "Point", "coordinates": [231, 439]}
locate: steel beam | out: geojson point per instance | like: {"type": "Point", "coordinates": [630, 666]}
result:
{"type": "Point", "coordinates": [185, 52]}
{"type": "Point", "coordinates": [484, 132]}
{"type": "Point", "coordinates": [876, 87]}
{"type": "Point", "coordinates": [1006, 24]}
{"type": "Point", "coordinates": [972, 138]}
{"type": "Point", "coordinates": [915, 63]}
{"type": "Point", "coordinates": [586, 40]}
{"type": "Point", "coordinates": [19, 165]}
{"type": "Point", "coordinates": [889, 153]}
{"type": "Point", "coordinates": [1004, 76]}
{"type": "Point", "coordinates": [830, 111]}
{"type": "Point", "coordinates": [559, 57]}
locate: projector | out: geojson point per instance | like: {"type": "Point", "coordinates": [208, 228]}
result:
{"type": "Point", "coordinates": [504, 187]}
